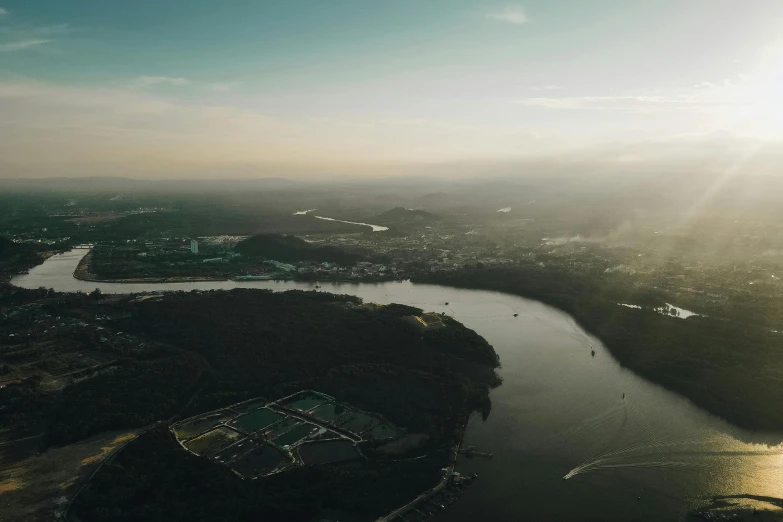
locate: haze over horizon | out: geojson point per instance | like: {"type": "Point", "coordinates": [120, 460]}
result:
{"type": "Point", "coordinates": [318, 90]}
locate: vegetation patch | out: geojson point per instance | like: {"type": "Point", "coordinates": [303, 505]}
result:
{"type": "Point", "coordinates": [291, 249]}
{"type": "Point", "coordinates": [213, 441]}
{"type": "Point", "coordinates": [191, 428]}
{"type": "Point", "coordinates": [383, 432]}
{"type": "Point", "coordinates": [358, 422]}
{"type": "Point", "coordinates": [247, 344]}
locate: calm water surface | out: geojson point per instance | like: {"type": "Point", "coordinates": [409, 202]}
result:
{"type": "Point", "coordinates": [559, 413]}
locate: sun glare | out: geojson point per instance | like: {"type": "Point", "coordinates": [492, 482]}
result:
{"type": "Point", "coordinates": [765, 95]}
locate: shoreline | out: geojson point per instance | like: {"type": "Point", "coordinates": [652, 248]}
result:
{"type": "Point", "coordinates": [82, 273]}
{"type": "Point", "coordinates": [623, 351]}
{"type": "Point", "coordinates": [640, 385]}
{"type": "Point", "coordinates": [616, 347]}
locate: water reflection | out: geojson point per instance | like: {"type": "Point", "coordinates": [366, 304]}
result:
{"type": "Point", "coordinates": [560, 413]}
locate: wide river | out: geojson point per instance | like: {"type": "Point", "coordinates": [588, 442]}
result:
{"type": "Point", "coordinates": [560, 412]}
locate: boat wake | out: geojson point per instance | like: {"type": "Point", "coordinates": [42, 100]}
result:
{"type": "Point", "coordinates": [693, 453]}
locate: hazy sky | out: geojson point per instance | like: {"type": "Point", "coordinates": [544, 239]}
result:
{"type": "Point", "coordinates": [211, 87]}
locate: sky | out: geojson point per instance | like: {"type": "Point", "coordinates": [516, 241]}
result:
{"type": "Point", "coordinates": [228, 88]}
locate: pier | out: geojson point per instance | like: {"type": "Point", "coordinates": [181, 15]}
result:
{"type": "Point", "coordinates": [404, 513]}
{"type": "Point", "coordinates": [436, 500]}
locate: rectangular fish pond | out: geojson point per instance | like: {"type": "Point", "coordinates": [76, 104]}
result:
{"type": "Point", "coordinates": [329, 452]}
{"type": "Point", "coordinates": [255, 438]}
{"type": "Point", "coordinates": [295, 435]}
{"type": "Point", "coordinates": [261, 461]}
{"type": "Point", "coordinates": [213, 441]}
{"type": "Point", "coordinates": [197, 425]}
{"type": "Point", "coordinates": [256, 420]}
{"type": "Point", "coordinates": [306, 400]}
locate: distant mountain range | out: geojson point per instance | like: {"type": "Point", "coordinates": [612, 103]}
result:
{"type": "Point", "coordinates": [112, 184]}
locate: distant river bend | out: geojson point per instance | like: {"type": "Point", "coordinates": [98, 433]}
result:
{"type": "Point", "coordinates": [375, 228]}
{"type": "Point", "coordinates": [559, 413]}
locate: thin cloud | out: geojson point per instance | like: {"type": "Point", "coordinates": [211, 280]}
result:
{"type": "Point", "coordinates": [511, 15]}
{"type": "Point", "coordinates": [3, 12]}
{"type": "Point", "coordinates": [24, 31]}
{"type": "Point", "coordinates": [21, 45]}
{"type": "Point", "coordinates": [50, 30]}
{"type": "Point", "coordinates": [630, 103]}
{"type": "Point", "coordinates": [22, 37]}
{"type": "Point", "coordinates": [149, 81]}
{"type": "Point", "coordinates": [224, 87]}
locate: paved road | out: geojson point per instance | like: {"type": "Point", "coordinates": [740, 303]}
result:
{"type": "Point", "coordinates": [309, 418]}
{"type": "Point", "coordinates": [427, 494]}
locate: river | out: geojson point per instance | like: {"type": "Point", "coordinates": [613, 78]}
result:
{"type": "Point", "coordinates": [560, 412]}
{"type": "Point", "coordinates": [375, 228]}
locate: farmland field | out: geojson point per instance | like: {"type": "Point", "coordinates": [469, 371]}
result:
{"type": "Point", "coordinates": [213, 441]}
{"type": "Point", "coordinates": [201, 424]}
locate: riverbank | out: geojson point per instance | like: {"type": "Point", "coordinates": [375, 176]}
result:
{"type": "Point", "coordinates": [558, 410]}
{"type": "Point", "coordinates": [730, 368]}
{"type": "Point", "coordinates": [83, 273]}
{"type": "Point", "coordinates": [727, 367]}
{"type": "Point", "coordinates": [317, 340]}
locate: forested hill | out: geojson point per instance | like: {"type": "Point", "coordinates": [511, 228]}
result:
{"type": "Point", "coordinates": [290, 249]}
{"type": "Point", "coordinates": [404, 216]}
{"type": "Point", "coordinates": [270, 344]}
{"type": "Point", "coordinates": [258, 343]}
{"type": "Point", "coordinates": [16, 257]}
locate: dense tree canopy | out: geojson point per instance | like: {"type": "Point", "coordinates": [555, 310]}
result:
{"type": "Point", "coordinates": [290, 249]}
{"type": "Point", "coordinates": [272, 344]}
